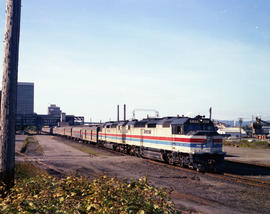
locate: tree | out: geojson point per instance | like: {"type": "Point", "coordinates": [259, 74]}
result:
{"type": "Point", "coordinates": [9, 92]}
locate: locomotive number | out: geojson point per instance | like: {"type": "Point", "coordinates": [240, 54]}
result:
{"type": "Point", "coordinates": [197, 121]}
{"type": "Point", "coordinates": [194, 121]}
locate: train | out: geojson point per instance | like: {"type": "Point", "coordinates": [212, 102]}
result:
{"type": "Point", "coordinates": [191, 142]}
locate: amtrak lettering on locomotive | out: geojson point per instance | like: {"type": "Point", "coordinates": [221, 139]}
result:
{"type": "Point", "coordinates": [184, 141]}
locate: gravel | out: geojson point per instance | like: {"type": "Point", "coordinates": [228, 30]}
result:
{"type": "Point", "coordinates": [192, 192]}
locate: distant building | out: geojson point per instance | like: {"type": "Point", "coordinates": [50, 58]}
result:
{"type": "Point", "coordinates": [25, 110]}
{"type": "Point", "coordinates": [266, 130]}
{"type": "Point", "coordinates": [220, 125]}
{"type": "Point", "coordinates": [25, 115]}
{"type": "Point", "coordinates": [232, 132]}
{"type": "Point", "coordinates": [70, 119]}
{"type": "Point", "coordinates": [54, 110]}
{"type": "Point", "coordinates": [25, 98]}
{"type": "Point", "coordinates": [47, 120]}
{"type": "Point", "coordinates": [63, 117]}
{"type": "Point", "coordinates": [78, 120]}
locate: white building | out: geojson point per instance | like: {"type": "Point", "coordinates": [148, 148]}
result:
{"type": "Point", "coordinates": [233, 132]}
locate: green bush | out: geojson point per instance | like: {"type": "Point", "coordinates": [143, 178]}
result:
{"type": "Point", "coordinates": [46, 194]}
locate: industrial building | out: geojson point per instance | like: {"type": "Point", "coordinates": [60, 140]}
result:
{"type": "Point", "coordinates": [25, 115]}
{"type": "Point", "coordinates": [54, 110]}
{"type": "Point", "coordinates": [25, 110]}
{"type": "Point", "coordinates": [25, 98]}
{"type": "Point", "coordinates": [260, 128]}
{"type": "Point", "coordinates": [232, 132]}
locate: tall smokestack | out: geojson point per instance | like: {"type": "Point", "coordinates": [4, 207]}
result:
{"type": "Point", "coordinates": [124, 112]}
{"type": "Point", "coordinates": [118, 113]}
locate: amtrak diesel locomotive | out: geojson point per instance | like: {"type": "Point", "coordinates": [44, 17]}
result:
{"type": "Point", "coordinates": [184, 141]}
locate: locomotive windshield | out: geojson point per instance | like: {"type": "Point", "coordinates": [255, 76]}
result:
{"type": "Point", "coordinates": [199, 125]}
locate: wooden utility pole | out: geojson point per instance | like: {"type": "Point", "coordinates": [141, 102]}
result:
{"type": "Point", "coordinates": [9, 92]}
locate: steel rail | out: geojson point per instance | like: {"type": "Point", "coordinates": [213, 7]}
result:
{"type": "Point", "coordinates": [222, 176]}
{"type": "Point", "coordinates": [219, 175]}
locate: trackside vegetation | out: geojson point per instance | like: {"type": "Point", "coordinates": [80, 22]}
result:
{"type": "Point", "coordinates": [35, 191]}
{"type": "Point", "coordinates": [31, 146]}
{"type": "Point", "coordinates": [248, 144]}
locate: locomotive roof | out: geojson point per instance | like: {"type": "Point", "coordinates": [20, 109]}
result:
{"type": "Point", "coordinates": [116, 123]}
{"type": "Point", "coordinates": [132, 122]}
{"type": "Point", "coordinates": [179, 121]}
{"type": "Point", "coordinates": [122, 123]}
{"type": "Point", "coordinates": [160, 121]}
{"type": "Point", "coordinates": [173, 120]}
{"type": "Point", "coordinates": [165, 121]}
{"type": "Point", "coordinates": [151, 120]}
{"type": "Point", "coordinates": [109, 123]}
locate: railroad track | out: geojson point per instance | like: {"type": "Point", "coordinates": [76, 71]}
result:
{"type": "Point", "coordinates": [242, 179]}
{"type": "Point", "coordinates": [219, 175]}
{"type": "Point", "coordinates": [39, 162]}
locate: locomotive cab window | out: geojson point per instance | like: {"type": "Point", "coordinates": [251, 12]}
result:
{"type": "Point", "coordinates": [198, 127]}
{"type": "Point", "coordinates": [151, 125]}
{"type": "Point", "coordinates": [176, 129]}
{"type": "Point", "coordinates": [139, 124]}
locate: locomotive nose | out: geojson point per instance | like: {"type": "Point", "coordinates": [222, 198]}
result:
{"type": "Point", "coordinates": [209, 141]}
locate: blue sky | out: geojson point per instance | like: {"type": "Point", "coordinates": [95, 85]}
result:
{"type": "Point", "coordinates": [176, 56]}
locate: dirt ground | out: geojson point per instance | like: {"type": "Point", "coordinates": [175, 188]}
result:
{"type": "Point", "coordinates": [191, 191]}
{"type": "Point", "coordinates": [248, 155]}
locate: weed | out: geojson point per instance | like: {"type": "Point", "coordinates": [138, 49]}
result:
{"type": "Point", "coordinates": [30, 144]}
{"type": "Point", "coordinates": [248, 144]}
